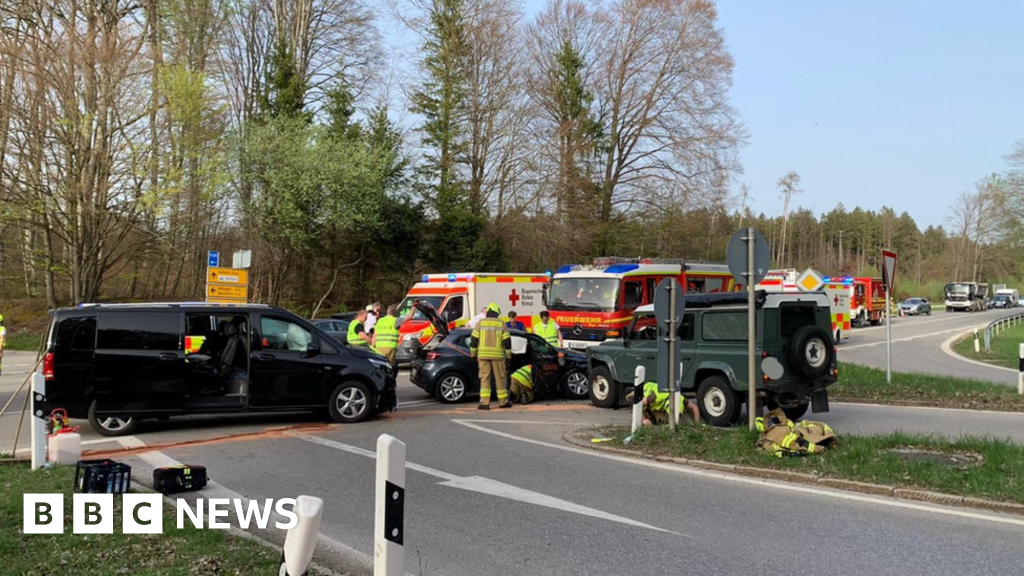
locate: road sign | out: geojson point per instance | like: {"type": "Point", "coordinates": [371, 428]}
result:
{"type": "Point", "coordinates": [213, 258]}
{"type": "Point", "coordinates": [227, 276]}
{"type": "Point", "coordinates": [669, 305]}
{"type": "Point", "coordinates": [810, 280]}
{"type": "Point", "coordinates": [736, 256]}
{"type": "Point", "coordinates": [227, 291]}
{"type": "Point", "coordinates": [241, 259]}
{"type": "Point", "coordinates": [218, 300]}
{"type": "Point", "coordinates": [888, 268]}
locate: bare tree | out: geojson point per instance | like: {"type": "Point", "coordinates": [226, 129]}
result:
{"type": "Point", "coordinates": [787, 186]}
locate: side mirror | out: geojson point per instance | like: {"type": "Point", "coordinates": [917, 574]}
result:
{"type": "Point", "coordinates": [312, 350]}
{"type": "Point", "coordinates": [544, 293]}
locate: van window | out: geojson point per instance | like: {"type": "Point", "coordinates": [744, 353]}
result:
{"type": "Point", "coordinates": [453, 309]}
{"type": "Point", "coordinates": [652, 286]}
{"type": "Point", "coordinates": [140, 331]}
{"type": "Point", "coordinates": [724, 326]}
{"type": "Point", "coordinates": [77, 334]}
{"type": "Point", "coordinates": [278, 334]}
{"type": "Point", "coordinates": [686, 328]}
{"type": "Point", "coordinates": [634, 294]}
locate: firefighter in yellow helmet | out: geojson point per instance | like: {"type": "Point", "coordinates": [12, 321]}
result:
{"type": "Point", "coordinates": [491, 345]}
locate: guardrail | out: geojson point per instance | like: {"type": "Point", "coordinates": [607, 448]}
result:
{"type": "Point", "coordinates": [997, 326]}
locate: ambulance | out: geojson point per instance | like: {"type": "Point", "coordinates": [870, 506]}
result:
{"type": "Point", "coordinates": [839, 291]}
{"type": "Point", "coordinates": [459, 297]}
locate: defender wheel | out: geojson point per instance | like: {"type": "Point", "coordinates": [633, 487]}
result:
{"type": "Point", "coordinates": [112, 425]}
{"type": "Point", "coordinates": [717, 401]}
{"type": "Point", "coordinates": [810, 352]}
{"type": "Point", "coordinates": [603, 390]}
{"type": "Point", "coordinates": [350, 402]}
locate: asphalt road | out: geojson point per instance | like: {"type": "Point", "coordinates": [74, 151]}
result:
{"type": "Point", "coordinates": [500, 493]}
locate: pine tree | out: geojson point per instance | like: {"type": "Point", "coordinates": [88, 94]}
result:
{"type": "Point", "coordinates": [285, 90]}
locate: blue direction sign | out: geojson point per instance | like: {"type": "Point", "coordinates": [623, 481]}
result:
{"type": "Point", "coordinates": [213, 259]}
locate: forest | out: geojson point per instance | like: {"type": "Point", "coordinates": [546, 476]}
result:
{"type": "Point", "coordinates": [137, 135]}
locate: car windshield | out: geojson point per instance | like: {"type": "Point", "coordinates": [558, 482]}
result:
{"type": "Point", "coordinates": [912, 301]}
{"type": "Point", "coordinates": [592, 294]}
{"type": "Point", "coordinates": [957, 289]}
{"type": "Point", "coordinates": [406, 307]}
{"type": "Point", "coordinates": [1001, 297]}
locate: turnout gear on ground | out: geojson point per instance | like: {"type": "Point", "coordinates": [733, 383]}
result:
{"type": "Point", "coordinates": [781, 437]}
{"type": "Point", "coordinates": [522, 385]}
{"type": "Point", "coordinates": [491, 345]}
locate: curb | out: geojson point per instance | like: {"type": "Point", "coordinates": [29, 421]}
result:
{"type": "Point", "coordinates": [803, 478]}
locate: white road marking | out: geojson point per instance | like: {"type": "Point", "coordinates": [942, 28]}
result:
{"type": "Point", "coordinates": [947, 348]}
{"type": "Point", "coordinates": [490, 487]}
{"type": "Point", "coordinates": [837, 494]}
{"type": "Point", "coordinates": [417, 403]}
{"type": "Point", "coordinates": [905, 339]}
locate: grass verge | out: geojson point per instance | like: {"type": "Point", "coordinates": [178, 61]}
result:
{"type": "Point", "coordinates": [175, 552]}
{"type": "Point", "coordinates": [23, 340]}
{"type": "Point", "coordinates": [1005, 347]}
{"type": "Point", "coordinates": [984, 468]}
{"type": "Point", "coordinates": [863, 384]}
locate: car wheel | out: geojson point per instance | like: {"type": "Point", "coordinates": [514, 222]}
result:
{"type": "Point", "coordinates": [810, 352]}
{"type": "Point", "coordinates": [717, 401]}
{"type": "Point", "coordinates": [603, 391]}
{"type": "Point", "coordinates": [575, 385]}
{"type": "Point", "coordinates": [451, 388]}
{"type": "Point", "coordinates": [112, 425]}
{"type": "Point", "coordinates": [350, 402]}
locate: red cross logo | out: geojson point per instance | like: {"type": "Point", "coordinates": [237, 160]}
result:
{"type": "Point", "coordinates": [836, 300]}
{"type": "Point", "coordinates": [513, 297]}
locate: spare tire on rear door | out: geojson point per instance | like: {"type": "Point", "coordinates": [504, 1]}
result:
{"type": "Point", "coordinates": [811, 352]}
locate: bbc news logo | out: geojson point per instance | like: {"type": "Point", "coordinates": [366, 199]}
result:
{"type": "Point", "coordinates": [144, 513]}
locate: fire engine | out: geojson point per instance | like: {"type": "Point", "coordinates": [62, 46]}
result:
{"type": "Point", "coordinates": [868, 302]}
{"type": "Point", "coordinates": [839, 292]}
{"type": "Point", "coordinates": [594, 303]}
{"type": "Point", "coordinates": [459, 297]}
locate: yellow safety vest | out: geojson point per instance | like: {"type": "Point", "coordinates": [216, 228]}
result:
{"type": "Point", "coordinates": [353, 336]}
{"type": "Point", "coordinates": [547, 331]}
{"type": "Point", "coordinates": [386, 333]}
{"type": "Point", "coordinates": [660, 403]}
{"type": "Point", "coordinates": [524, 376]}
{"type": "Point", "coordinates": [490, 340]}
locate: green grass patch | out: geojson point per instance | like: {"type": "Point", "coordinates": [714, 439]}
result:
{"type": "Point", "coordinates": [189, 551]}
{"type": "Point", "coordinates": [863, 384]}
{"type": "Point", "coordinates": [23, 340]}
{"type": "Point", "coordinates": [984, 468]}
{"type": "Point", "coordinates": [1005, 347]}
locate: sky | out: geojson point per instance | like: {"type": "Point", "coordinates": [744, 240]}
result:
{"type": "Point", "coordinates": [902, 103]}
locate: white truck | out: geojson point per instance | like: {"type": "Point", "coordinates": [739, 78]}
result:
{"type": "Point", "coordinates": [966, 296]}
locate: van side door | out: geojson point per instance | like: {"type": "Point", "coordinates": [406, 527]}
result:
{"type": "Point", "coordinates": [284, 370]}
{"type": "Point", "coordinates": [140, 362]}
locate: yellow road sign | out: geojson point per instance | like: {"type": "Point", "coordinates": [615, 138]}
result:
{"type": "Point", "coordinates": [227, 291]}
{"type": "Point", "coordinates": [810, 280]}
{"type": "Point", "coordinates": [227, 276]}
{"type": "Point", "coordinates": [215, 300]}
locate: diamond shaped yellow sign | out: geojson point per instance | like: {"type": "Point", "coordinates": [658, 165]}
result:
{"type": "Point", "coordinates": [810, 280]}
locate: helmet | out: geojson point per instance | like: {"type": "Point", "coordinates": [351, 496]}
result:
{"type": "Point", "coordinates": [492, 307]}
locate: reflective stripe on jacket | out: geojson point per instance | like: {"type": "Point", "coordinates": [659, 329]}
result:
{"type": "Point", "coordinates": [524, 376]}
{"type": "Point", "coordinates": [490, 340]}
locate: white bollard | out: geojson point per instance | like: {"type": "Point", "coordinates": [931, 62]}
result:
{"type": "Point", "coordinates": [389, 518]}
{"type": "Point", "coordinates": [300, 542]}
{"type": "Point", "coordinates": [977, 345]}
{"type": "Point", "coordinates": [1020, 370]}
{"type": "Point", "coordinates": [38, 435]}
{"type": "Point", "coordinates": [638, 392]}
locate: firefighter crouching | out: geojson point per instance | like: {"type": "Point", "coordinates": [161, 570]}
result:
{"type": "Point", "coordinates": [522, 385]}
{"type": "Point", "coordinates": [656, 405]}
{"type": "Point", "coordinates": [491, 345]}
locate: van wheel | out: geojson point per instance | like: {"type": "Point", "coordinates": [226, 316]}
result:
{"type": "Point", "coordinates": [603, 390]}
{"type": "Point", "coordinates": [350, 402]}
{"type": "Point", "coordinates": [111, 425]}
{"type": "Point", "coordinates": [717, 401]}
{"type": "Point", "coordinates": [575, 385]}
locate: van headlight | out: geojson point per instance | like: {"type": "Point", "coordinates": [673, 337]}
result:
{"type": "Point", "coordinates": [413, 336]}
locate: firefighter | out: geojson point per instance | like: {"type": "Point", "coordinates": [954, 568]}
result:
{"type": "Point", "coordinates": [357, 335]}
{"type": "Point", "coordinates": [385, 335]}
{"type": "Point", "coordinates": [491, 345]}
{"type": "Point", "coordinates": [548, 329]}
{"type": "Point", "coordinates": [3, 342]}
{"type": "Point", "coordinates": [656, 405]}
{"type": "Point", "coordinates": [522, 385]}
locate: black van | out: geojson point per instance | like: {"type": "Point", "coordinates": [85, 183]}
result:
{"type": "Point", "coordinates": [117, 363]}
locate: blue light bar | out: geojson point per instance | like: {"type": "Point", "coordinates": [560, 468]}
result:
{"type": "Point", "coordinates": [621, 268]}
{"type": "Point", "coordinates": [425, 278]}
{"type": "Point", "coordinates": [564, 269]}
{"type": "Point", "coordinates": [451, 277]}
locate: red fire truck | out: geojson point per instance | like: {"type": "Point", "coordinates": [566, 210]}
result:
{"type": "Point", "coordinates": [594, 303]}
{"type": "Point", "coordinates": [868, 302]}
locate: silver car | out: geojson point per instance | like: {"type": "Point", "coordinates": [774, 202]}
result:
{"type": "Point", "coordinates": [915, 306]}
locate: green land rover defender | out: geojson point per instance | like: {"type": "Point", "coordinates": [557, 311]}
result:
{"type": "Point", "coordinates": [795, 362]}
